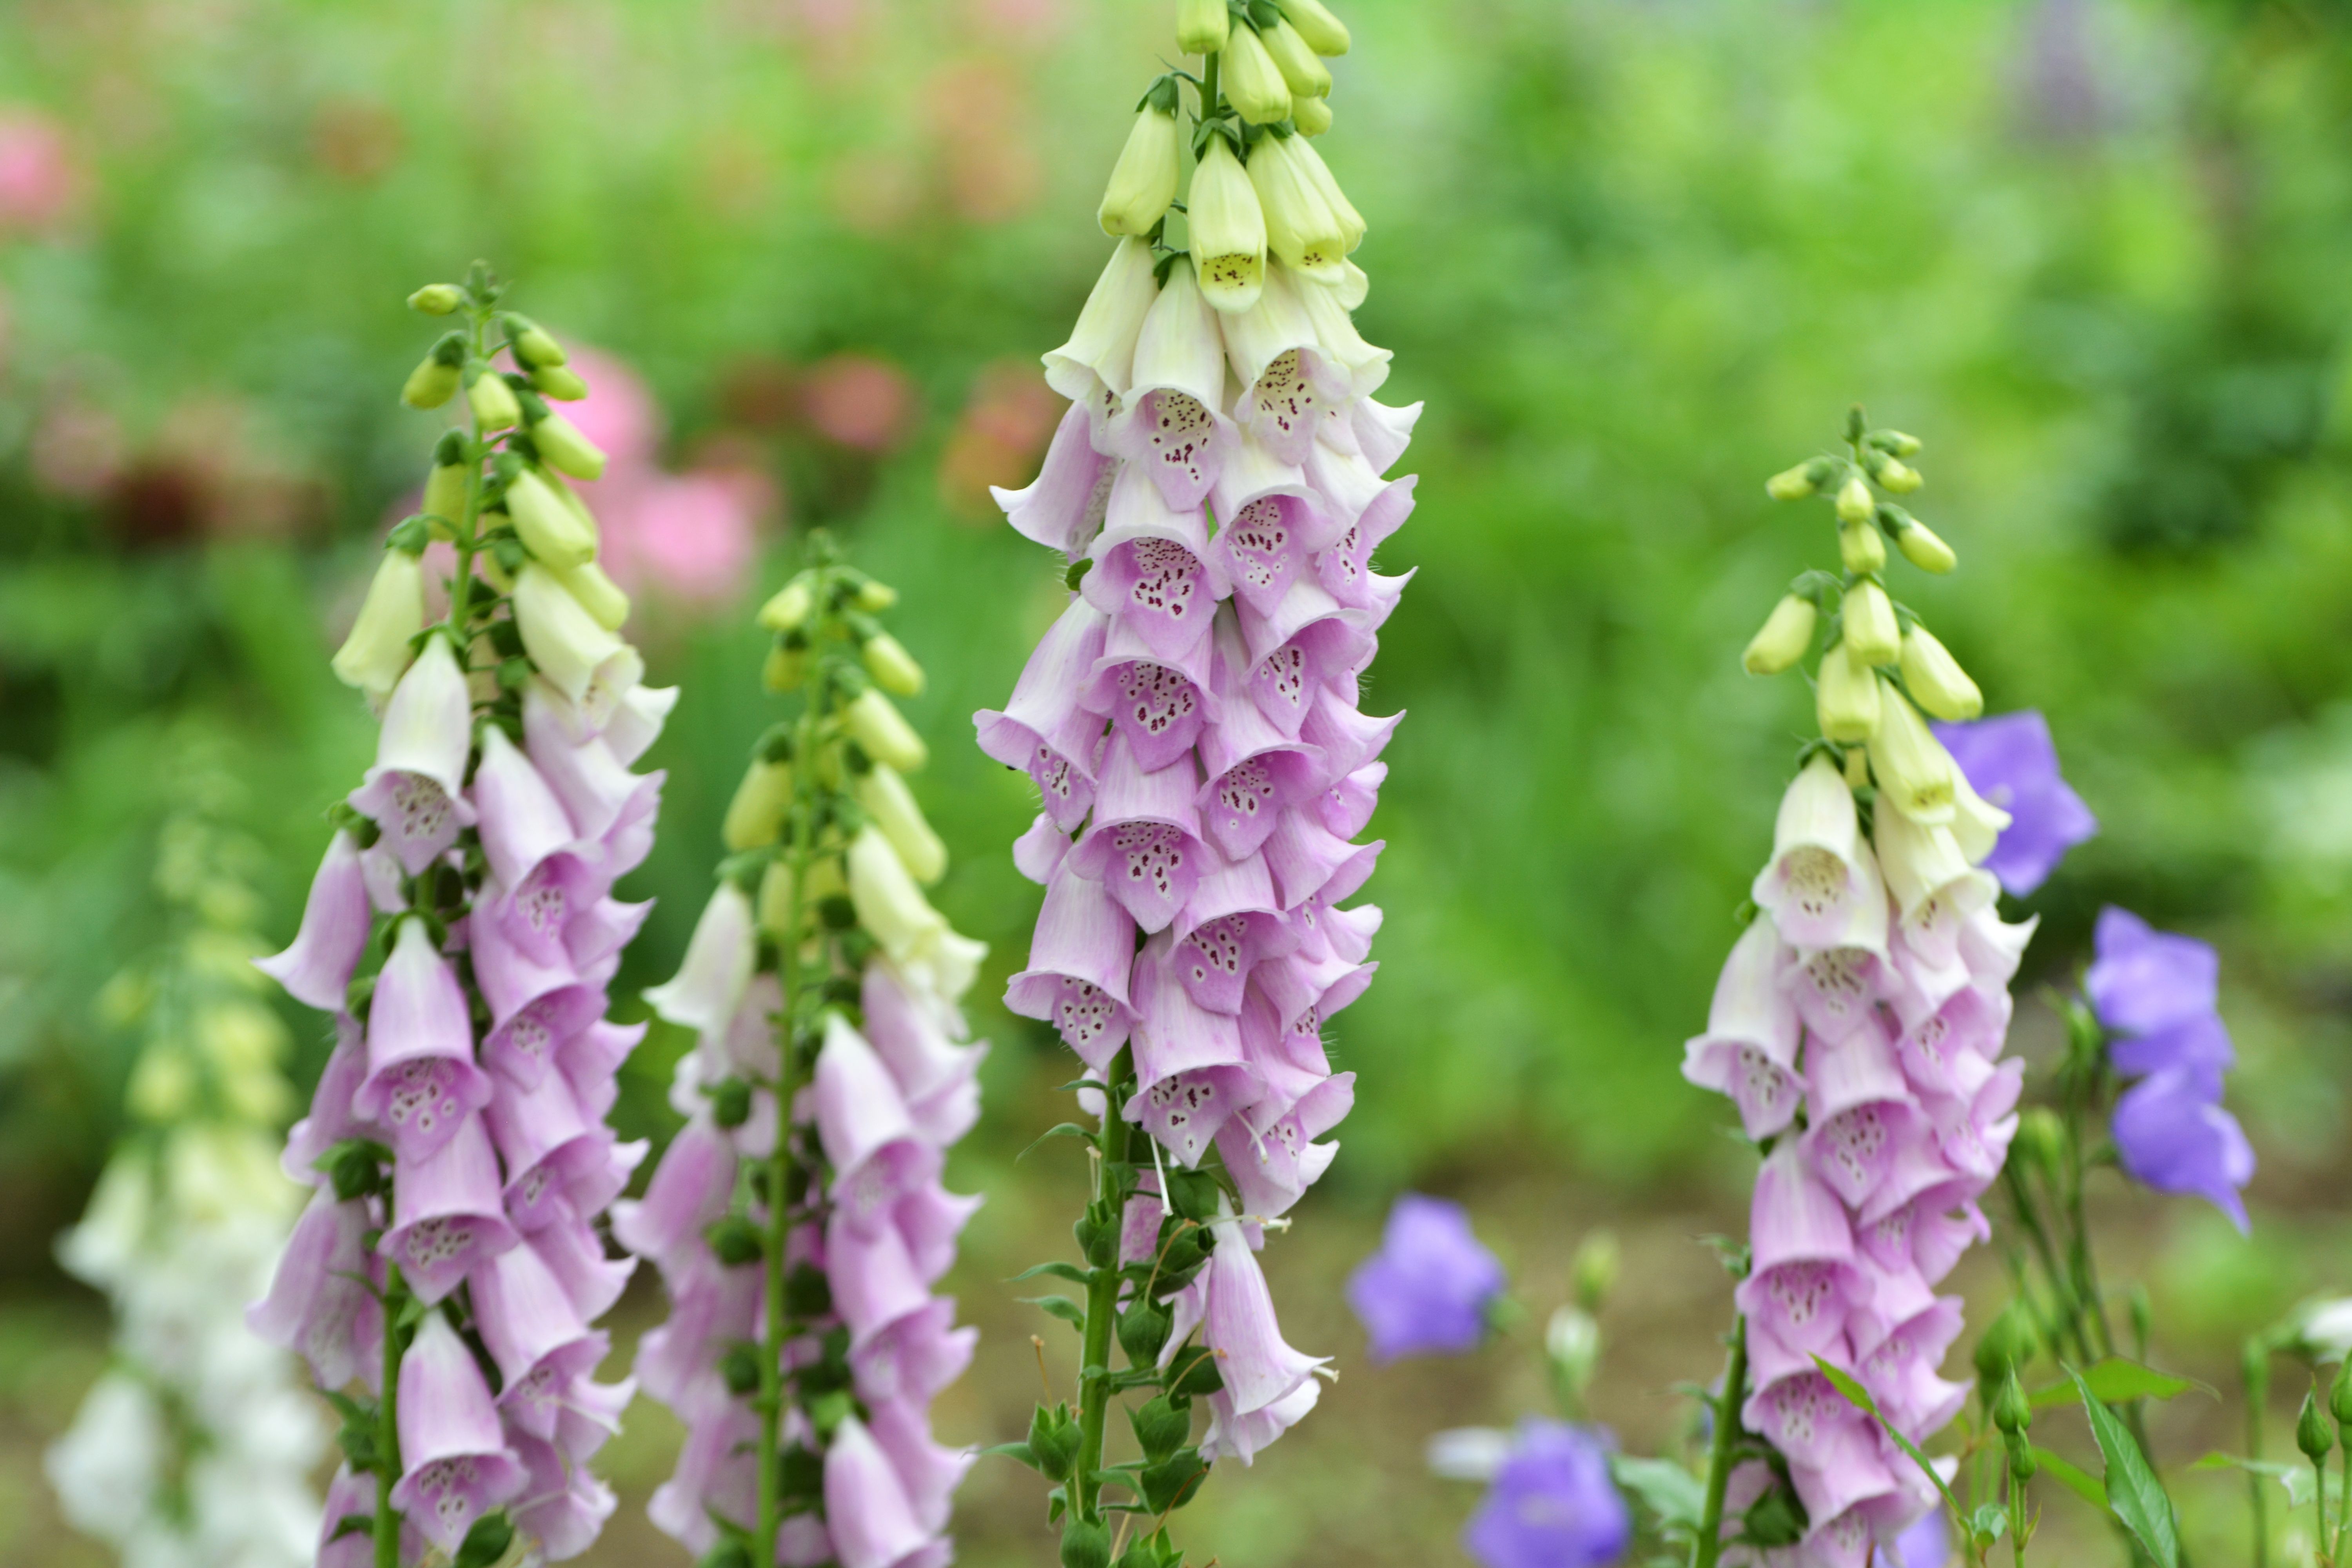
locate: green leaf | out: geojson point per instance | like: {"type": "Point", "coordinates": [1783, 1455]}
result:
{"type": "Point", "coordinates": [352, 1524]}
{"type": "Point", "coordinates": [2133, 1489]}
{"type": "Point", "coordinates": [487, 1542]}
{"type": "Point", "coordinates": [1060, 1307]}
{"type": "Point", "coordinates": [1675, 1496]}
{"type": "Point", "coordinates": [1859, 1397]}
{"type": "Point", "coordinates": [2119, 1381]}
{"type": "Point", "coordinates": [2074, 1478]}
{"type": "Point", "coordinates": [1019, 1451]}
{"type": "Point", "coordinates": [1069, 1271]}
{"type": "Point", "coordinates": [1988, 1525]}
{"type": "Point", "coordinates": [1062, 1130]}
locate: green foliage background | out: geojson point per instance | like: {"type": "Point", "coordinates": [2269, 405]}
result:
{"type": "Point", "coordinates": [1636, 256]}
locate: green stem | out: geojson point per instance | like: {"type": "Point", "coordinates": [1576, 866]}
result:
{"type": "Point", "coordinates": [2255, 1368]}
{"type": "Point", "coordinates": [2319, 1501]}
{"type": "Point", "coordinates": [2017, 1519]}
{"type": "Point", "coordinates": [468, 541]}
{"type": "Point", "coordinates": [1209, 84]}
{"type": "Point", "coordinates": [1727, 1437]}
{"type": "Point", "coordinates": [2028, 1217]}
{"type": "Point", "coordinates": [387, 1427]}
{"type": "Point", "coordinates": [1102, 1302]}
{"type": "Point", "coordinates": [2343, 1489]}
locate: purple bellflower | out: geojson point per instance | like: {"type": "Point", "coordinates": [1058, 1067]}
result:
{"type": "Point", "coordinates": [2010, 761]}
{"type": "Point", "coordinates": [1553, 1504]}
{"type": "Point", "coordinates": [1428, 1290]}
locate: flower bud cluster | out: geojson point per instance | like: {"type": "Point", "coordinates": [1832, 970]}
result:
{"type": "Point", "coordinates": [799, 1220]}
{"type": "Point", "coordinates": [1859, 1026]}
{"type": "Point", "coordinates": [462, 930]}
{"type": "Point", "coordinates": [197, 1444]}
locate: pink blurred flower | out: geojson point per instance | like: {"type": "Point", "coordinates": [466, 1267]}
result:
{"type": "Point", "coordinates": [978, 113]}
{"type": "Point", "coordinates": [997, 437]}
{"type": "Point", "coordinates": [619, 413]}
{"type": "Point", "coordinates": [38, 181]}
{"type": "Point", "coordinates": [691, 536]}
{"type": "Point", "coordinates": [78, 450]}
{"type": "Point", "coordinates": [859, 401]}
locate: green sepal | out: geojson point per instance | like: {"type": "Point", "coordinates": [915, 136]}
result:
{"type": "Point", "coordinates": [837, 912]}
{"type": "Point", "coordinates": [734, 1240]}
{"type": "Point", "coordinates": [410, 536]}
{"type": "Point", "coordinates": [730, 1102]}
{"type": "Point", "coordinates": [357, 1436]}
{"type": "Point", "coordinates": [1060, 1307]}
{"type": "Point", "coordinates": [1053, 1441]}
{"type": "Point", "coordinates": [1170, 1483]}
{"type": "Point", "coordinates": [486, 1542]}
{"type": "Point", "coordinates": [1160, 1427]}
{"type": "Point", "coordinates": [1021, 1451]}
{"type": "Point", "coordinates": [1161, 97]}
{"type": "Point", "coordinates": [1774, 1520]}
{"type": "Point", "coordinates": [1987, 1525]}
{"type": "Point", "coordinates": [807, 1292]}
{"type": "Point", "coordinates": [1077, 573]}
{"type": "Point", "coordinates": [1060, 1130]}
{"type": "Point", "coordinates": [351, 1524]}
{"type": "Point", "coordinates": [1196, 1372]}
{"type": "Point", "coordinates": [1085, 1543]}
{"type": "Point", "coordinates": [1153, 1551]}
{"type": "Point", "coordinates": [1142, 1330]}
{"type": "Point", "coordinates": [1194, 1194]}
{"type": "Point", "coordinates": [800, 1473]}
{"type": "Point", "coordinates": [1069, 1271]}
{"type": "Point", "coordinates": [355, 1167]}
{"type": "Point", "coordinates": [739, 1368]}
{"type": "Point", "coordinates": [776, 745]}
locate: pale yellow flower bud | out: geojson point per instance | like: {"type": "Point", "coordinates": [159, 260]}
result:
{"type": "Point", "coordinates": [872, 597]}
{"type": "Point", "coordinates": [1923, 548]}
{"type": "Point", "coordinates": [893, 670]}
{"type": "Point", "coordinates": [1301, 229]}
{"type": "Point", "coordinates": [1793, 484]}
{"type": "Point", "coordinates": [376, 654]}
{"type": "Point", "coordinates": [436, 299]}
{"type": "Point", "coordinates": [784, 668]}
{"type": "Point", "coordinates": [559, 382]}
{"type": "Point", "coordinates": [430, 385]}
{"type": "Point", "coordinates": [1787, 632]}
{"type": "Point", "coordinates": [1854, 503]}
{"type": "Point", "coordinates": [563, 449]}
{"type": "Point", "coordinates": [1862, 547]}
{"type": "Point", "coordinates": [1228, 231]}
{"type": "Point", "coordinates": [1311, 115]}
{"type": "Point", "coordinates": [1143, 182]}
{"type": "Point", "coordinates": [1935, 677]}
{"type": "Point", "coordinates": [1898, 479]}
{"type": "Point", "coordinates": [598, 595]}
{"type": "Point", "coordinates": [579, 656]}
{"type": "Point", "coordinates": [788, 606]}
{"type": "Point", "coordinates": [891, 806]}
{"type": "Point", "coordinates": [1318, 174]}
{"type": "Point", "coordinates": [1202, 26]}
{"type": "Point", "coordinates": [493, 401]}
{"type": "Point", "coordinates": [1253, 83]}
{"type": "Point", "coordinates": [756, 815]}
{"type": "Point", "coordinates": [824, 880]}
{"type": "Point", "coordinates": [1871, 635]}
{"type": "Point", "coordinates": [1324, 33]}
{"type": "Point", "coordinates": [1915, 773]}
{"type": "Point", "coordinates": [549, 529]}
{"type": "Point", "coordinates": [1306, 76]}
{"type": "Point", "coordinates": [874, 723]}
{"type": "Point", "coordinates": [1846, 697]}
{"type": "Point", "coordinates": [445, 496]}
{"type": "Point", "coordinates": [534, 345]}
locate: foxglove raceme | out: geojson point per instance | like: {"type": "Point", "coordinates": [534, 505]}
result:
{"type": "Point", "coordinates": [463, 929]}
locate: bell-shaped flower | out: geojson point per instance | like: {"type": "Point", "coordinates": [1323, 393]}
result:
{"type": "Point", "coordinates": [1797, 1410]}
{"type": "Point", "coordinates": [2201, 1042]}
{"type": "Point", "coordinates": [353, 1496]}
{"type": "Point", "coordinates": [1858, 1108]}
{"type": "Point", "coordinates": [1273, 1158]}
{"type": "Point", "coordinates": [447, 1213]}
{"type": "Point", "coordinates": [458, 1464]}
{"type": "Point", "coordinates": [1287, 381]}
{"type": "Point", "coordinates": [1271, 525]}
{"type": "Point", "coordinates": [691, 1189]}
{"type": "Point", "coordinates": [556, 533]}
{"type": "Point", "coordinates": [1301, 230]}
{"type": "Point", "coordinates": [1973, 1123]}
{"type": "Point", "coordinates": [916, 936]}
{"type": "Point", "coordinates": [1228, 233]}
{"type": "Point", "coordinates": [1899, 1366]}
{"type": "Point", "coordinates": [868, 1138]}
{"type": "Point", "coordinates": [1152, 573]}
{"type": "Point", "coordinates": [928, 1470]}
{"type": "Point", "coordinates": [543, 1141]}
{"type": "Point", "coordinates": [1093, 369]}
{"type": "Point", "coordinates": [1144, 843]}
{"type": "Point", "coordinates": [1749, 1050]}
{"type": "Point", "coordinates": [535, 1335]}
{"type": "Point", "coordinates": [331, 1119]}
{"type": "Point", "coordinates": [2010, 761]}
{"type": "Point", "coordinates": [2171, 1134]}
{"type": "Point", "coordinates": [875, 722]}
{"type": "Point", "coordinates": [1834, 986]}
{"type": "Point", "coordinates": [1346, 808]}
{"type": "Point", "coordinates": [1815, 879]}
{"type": "Point", "coordinates": [1235, 1436]}
{"type": "Point", "coordinates": [589, 665]}
{"type": "Point", "coordinates": [719, 957]}
{"type": "Point", "coordinates": [1364, 365]}
{"type": "Point", "coordinates": [320, 1304]}
{"type": "Point", "coordinates": [375, 655]}
{"type": "Point", "coordinates": [1254, 773]}
{"type": "Point", "coordinates": [1285, 1050]}
{"type": "Point", "coordinates": [415, 791]}
{"type": "Point", "coordinates": [1803, 1279]}
{"type": "Point", "coordinates": [1429, 1289]}
{"type": "Point", "coordinates": [1382, 433]}
{"type": "Point", "coordinates": [573, 1249]}
{"type": "Point", "coordinates": [1915, 773]}
{"type": "Point", "coordinates": [636, 722]}
{"type": "Point", "coordinates": [599, 793]}
{"type": "Point", "coordinates": [717, 1476]}
{"type": "Point", "coordinates": [1347, 738]}
{"type": "Point", "coordinates": [562, 1506]}
{"type": "Point", "coordinates": [928, 1219]}
{"type": "Point", "coordinates": [873, 1522]}
{"type": "Point", "coordinates": [1079, 962]}
{"type": "Point", "coordinates": [1934, 887]}
{"type": "Point", "coordinates": [876, 1283]}
{"type": "Point", "coordinates": [1160, 706]}
{"type": "Point", "coordinates": [891, 806]}
{"type": "Point", "coordinates": [1173, 432]}
{"type": "Point", "coordinates": [1063, 506]}
{"type": "Point", "coordinates": [1256, 1365]}
{"type": "Point", "coordinates": [1229, 924]}
{"type": "Point", "coordinates": [1143, 182]}
{"type": "Point", "coordinates": [913, 1356]}
{"type": "Point", "coordinates": [933, 1071]}
{"type": "Point", "coordinates": [421, 1081]}
{"type": "Point", "coordinates": [2143, 981]}
{"type": "Point", "coordinates": [711, 1304]}
{"type": "Point", "coordinates": [1044, 729]}
{"type": "Point", "coordinates": [1309, 642]}
{"type": "Point", "coordinates": [337, 919]}
{"type": "Point", "coordinates": [534, 1006]}
{"type": "Point", "coordinates": [1553, 1504]}
{"type": "Point", "coordinates": [1308, 861]}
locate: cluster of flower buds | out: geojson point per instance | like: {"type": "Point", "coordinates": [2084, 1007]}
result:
{"type": "Point", "coordinates": [462, 930]}
{"type": "Point", "coordinates": [1859, 1026]}
{"type": "Point", "coordinates": [798, 1219]}
{"type": "Point", "coordinates": [197, 1445]}
{"type": "Point", "coordinates": [1192, 724]}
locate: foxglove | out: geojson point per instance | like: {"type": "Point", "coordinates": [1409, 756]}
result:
{"type": "Point", "coordinates": [1192, 724]}
{"type": "Point", "coordinates": [445, 1279]}
{"type": "Point", "coordinates": [798, 1220]}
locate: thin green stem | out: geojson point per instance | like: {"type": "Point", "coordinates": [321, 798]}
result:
{"type": "Point", "coordinates": [1102, 1303]}
{"type": "Point", "coordinates": [2017, 1519]}
{"type": "Point", "coordinates": [2343, 1487]}
{"type": "Point", "coordinates": [1718, 1461]}
{"type": "Point", "coordinates": [2254, 1367]}
{"type": "Point", "coordinates": [468, 541]}
{"type": "Point", "coordinates": [1209, 83]}
{"type": "Point", "coordinates": [2319, 1502]}
{"type": "Point", "coordinates": [387, 1427]}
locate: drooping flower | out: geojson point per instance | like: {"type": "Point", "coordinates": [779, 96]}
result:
{"type": "Point", "coordinates": [1428, 1290]}
{"type": "Point", "coordinates": [1553, 1504]}
{"type": "Point", "coordinates": [2010, 761]}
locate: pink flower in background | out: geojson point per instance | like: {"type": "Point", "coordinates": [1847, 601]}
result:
{"type": "Point", "coordinates": [619, 413]}
{"type": "Point", "coordinates": [861, 402]}
{"type": "Point", "coordinates": [37, 179]}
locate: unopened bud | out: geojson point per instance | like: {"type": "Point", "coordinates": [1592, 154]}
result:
{"type": "Point", "coordinates": [560, 381]}
{"type": "Point", "coordinates": [755, 816]}
{"type": "Point", "coordinates": [1938, 683]}
{"type": "Point", "coordinates": [1914, 771]}
{"type": "Point", "coordinates": [893, 670]}
{"type": "Point", "coordinates": [1854, 503]}
{"type": "Point", "coordinates": [1572, 1346]}
{"type": "Point", "coordinates": [1086, 1543]}
{"type": "Point", "coordinates": [789, 607]}
{"type": "Point", "coordinates": [1312, 116]}
{"type": "Point", "coordinates": [2313, 1432]}
{"type": "Point", "coordinates": [1860, 547]}
{"type": "Point", "coordinates": [1202, 26]}
{"type": "Point", "coordinates": [2040, 1139]}
{"type": "Point", "coordinates": [493, 401]}
{"type": "Point", "coordinates": [874, 723]}
{"type": "Point", "coordinates": [1923, 548]}
{"type": "Point", "coordinates": [436, 299]}
{"type": "Point", "coordinates": [2010, 1411]}
{"type": "Point", "coordinates": [563, 447]}
{"type": "Point", "coordinates": [375, 655]}
{"type": "Point", "coordinates": [2340, 1393]}
{"type": "Point", "coordinates": [1793, 484]}
{"type": "Point", "coordinates": [436, 378]}
{"type": "Point", "coordinates": [1786, 635]}
{"type": "Point", "coordinates": [1324, 33]}
{"type": "Point", "coordinates": [785, 668]}
{"type": "Point", "coordinates": [1306, 76]}
{"type": "Point", "coordinates": [2022, 1463]}
{"type": "Point", "coordinates": [872, 595]}
{"type": "Point", "coordinates": [1143, 182]}
{"type": "Point", "coordinates": [1870, 632]}
{"type": "Point", "coordinates": [1254, 85]}
{"type": "Point", "coordinates": [604, 600]}
{"type": "Point", "coordinates": [533, 345]}
{"type": "Point", "coordinates": [1895, 442]}
{"type": "Point", "coordinates": [891, 805]}
{"type": "Point", "coordinates": [1897, 479]}
{"type": "Point", "coordinates": [554, 532]}
{"type": "Point", "coordinates": [445, 494]}
{"type": "Point", "coordinates": [1846, 697]}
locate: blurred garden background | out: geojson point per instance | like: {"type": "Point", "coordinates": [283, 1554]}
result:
{"type": "Point", "coordinates": [1635, 254]}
